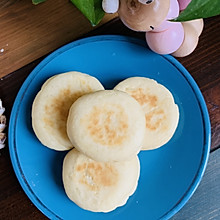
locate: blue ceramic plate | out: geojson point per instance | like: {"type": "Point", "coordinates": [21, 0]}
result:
{"type": "Point", "coordinates": [169, 175]}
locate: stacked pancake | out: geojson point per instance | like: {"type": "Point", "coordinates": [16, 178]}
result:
{"type": "Point", "coordinates": [161, 112]}
{"type": "Point", "coordinates": [106, 129]}
{"type": "Point", "coordinates": [107, 125]}
{"type": "Point", "coordinates": [99, 186]}
{"type": "Point", "coordinates": [51, 106]}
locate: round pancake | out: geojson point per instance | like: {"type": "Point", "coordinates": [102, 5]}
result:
{"type": "Point", "coordinates": [99, 186]}
{"type": "Point", "coordinates": [106, 125]}
{"type": "Point", "coordinates": [51, 106]}
{"type": "Point", "coordinates": [161, 113]}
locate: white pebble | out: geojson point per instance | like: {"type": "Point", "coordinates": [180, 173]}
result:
{"type": "Point", "coordinates": [2, 109]}
{"type": "Point", "coordinates": [145, 1]}
{"type": "Point", "coordinates": [110, 6]}
{"type": "Point", "coordinates": [2, 127]}
{"type": "Point", "coordinates": [2, 50]}
{"type": "Point", "coordinates": [2, 145]}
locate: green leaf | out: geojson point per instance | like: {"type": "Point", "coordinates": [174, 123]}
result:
{"type": "Point", "coordinates": [199, 9]}
{"type": "Point", "coordinates": [92, 9]}
{"type": "Point", "coordinates": [36, 2]}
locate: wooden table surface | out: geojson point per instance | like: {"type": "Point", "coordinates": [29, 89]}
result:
{"type": "Point", "coordinates": [203, 64]}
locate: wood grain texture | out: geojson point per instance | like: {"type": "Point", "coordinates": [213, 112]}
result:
{"type": "Point", "coordinates": [28, 32]}
{"type": "Point", "coordinates": [212, 97]}
{"type": "Point", "coordinates": [203, 65]}
{"type": "Point", "coordinates": [205, 202]}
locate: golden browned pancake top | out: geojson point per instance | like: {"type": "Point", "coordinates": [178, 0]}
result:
{"type": "Point", "coordinates": [58, 108]}
{"type": "Point", "coordinates": [154, 117]}
{"type": "Point", "coordinates": [96, 175]}
{"type": "Point", "coordinates": [107, 124]}
{"type": "Point", "coordinates": [143, 97]}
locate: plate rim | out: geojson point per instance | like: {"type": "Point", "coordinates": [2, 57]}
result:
{"type": "Point", "coordinates": [22, 91]}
